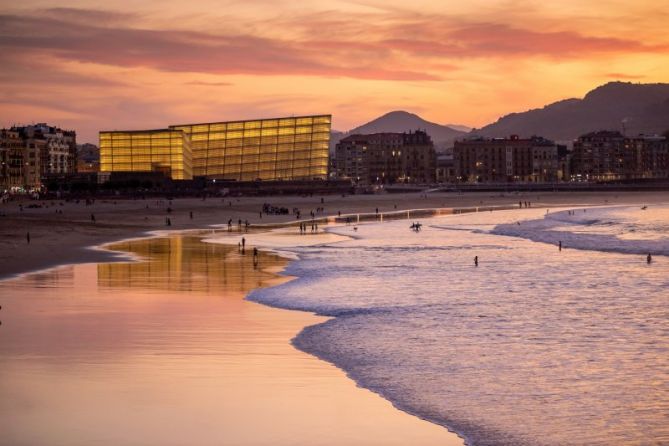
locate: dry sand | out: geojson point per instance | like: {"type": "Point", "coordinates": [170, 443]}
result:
{"type": "Point", "coordinates": [62, 238]}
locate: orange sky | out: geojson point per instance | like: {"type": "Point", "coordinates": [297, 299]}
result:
{"type": "Point", "coordinates": [124, 64]}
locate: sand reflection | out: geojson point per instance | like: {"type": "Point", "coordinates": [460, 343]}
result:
{"type": "Point", "coordinates": [166, 352]}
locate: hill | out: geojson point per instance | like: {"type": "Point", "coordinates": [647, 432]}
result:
{"type": "Point", "coordinates": [624, 106]}
{"type": "Point", "coordinates": [402, 121]}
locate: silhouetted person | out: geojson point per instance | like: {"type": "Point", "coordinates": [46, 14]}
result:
{"type": "Point", "coordinates": [243, 244]}
{"type": "Point", "coordinates": [255, 256]}
{"type": "Point", "coordinates": [649, 258]}
{"type": "Point", "coordinates": [93, 218]}
{"type": "Point", "coordinates": [476, 260]}
{"type": "Point", "coordinates": [560, 245]}
{"type": "Point", "coordinates": [191, 215]}
{"type": "Point", "coordinates": [168, 221]}
{"type": "Point", "coordinates": [28, 237]}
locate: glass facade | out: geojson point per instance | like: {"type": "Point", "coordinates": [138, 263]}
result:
{"type": "Point", "coordinates": [166, 151]}
{"type": "Point", "coordinates": [293, 148]}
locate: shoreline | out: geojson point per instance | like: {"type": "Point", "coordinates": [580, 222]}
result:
{"type": "Point", "coordinates": [360, 381]}
{"type": "Point", "coordinates": [385, 422]}
{"type": "Point", "coordinates": [124, 257]}
{"type": "Point", "coordinates": [66, 236]}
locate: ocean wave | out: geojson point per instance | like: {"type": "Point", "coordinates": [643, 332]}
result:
{"type": "Point", "coordinates": [531, 347]}
{"type": "Point", "coordinates": [607, 230]}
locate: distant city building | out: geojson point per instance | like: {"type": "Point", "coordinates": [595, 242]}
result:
{"type": "Point", "coordinates": [386, 158]}
{"type": "Point", "coordinates": [88, 158]}
{"type": "Point", "coordinates": [12, 150]}
{"type": "Point", "coordinates": [294, 148]}
{"type": "Point", "coordinates": [504, 160]}
{"type": "Point", "coordinates": [608, 155]}
{"type": "Point", "coordinates": [445, 170]}
{"type": "Point", "coordinates": [58, 148]}
{"type": "Point", "coordinates": [33, 152]}
{"type": "Point", "coordinates": [564, 163]}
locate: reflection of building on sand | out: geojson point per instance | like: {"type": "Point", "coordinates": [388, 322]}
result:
{"type": "Point", "coordinates": [184, 263]}
{"type": "Point", "coordinates": [63, 276]}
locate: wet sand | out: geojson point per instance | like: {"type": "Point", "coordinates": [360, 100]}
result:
{"type": "Point", "coordinates": [63, 237]}
{"type": "Point", "coordinates": [167, 351]}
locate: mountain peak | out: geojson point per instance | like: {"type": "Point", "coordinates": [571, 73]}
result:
{"type": "Point", "coordinates": [399, 113]}
{"type": "Point", "coordinates": [404, 121]}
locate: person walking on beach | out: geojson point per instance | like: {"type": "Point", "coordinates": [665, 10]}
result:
{"type": "Point", "coordinates": [28, 237]}
{"type": "Point", "coordinates": [560, 245]}
{"type": "Point", "coordinates": [255, 256]}
{"type": "Point", "coordinates": [476, 260]}
{"type": "Point", "coordinates": [649, 258]}
{"type": "Point", "coordinates": [93, 218]}
{"type": "Point", "coordinates": [191, 215]}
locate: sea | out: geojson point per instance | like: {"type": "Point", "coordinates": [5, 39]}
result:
{"type": "Point", "coordinates": [535, 345]}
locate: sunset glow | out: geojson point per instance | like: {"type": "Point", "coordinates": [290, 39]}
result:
{"type": "Point", "coordinates": [135, 66]}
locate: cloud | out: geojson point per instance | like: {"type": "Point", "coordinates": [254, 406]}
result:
{"type": "Point", "coordinates": [85, 16]}
{"type": "Point", "coordinates": [181, 51]}
{"type": "Point", "coordinates": [624, 76]}
{"type": "Point", "coordinates": [489, 39]}
{"type": "Point", "coordinates": [27, 72]}
{"type": "Point", "coordinates": [210, 84]}
{"type": "Point", "coordinates": [380, 46]}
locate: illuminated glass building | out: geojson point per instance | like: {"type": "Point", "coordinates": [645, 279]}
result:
{"type": "Point", "coordinates": [267, 149]}
{"type": "Point", "coordinates": [293, 148]}
{"type": "Point", "coordinates": [164, 150]}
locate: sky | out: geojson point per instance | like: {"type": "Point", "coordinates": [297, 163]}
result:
{"type": "Point", "coordinates": [129, 64]}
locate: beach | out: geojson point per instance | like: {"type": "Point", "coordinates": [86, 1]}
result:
{"type": "Point", "coordinates": [165, 349]}
{"type": "Point", "coordinates": [65, 237]}
{"type": "Point", "coordinates": [531, 345]}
